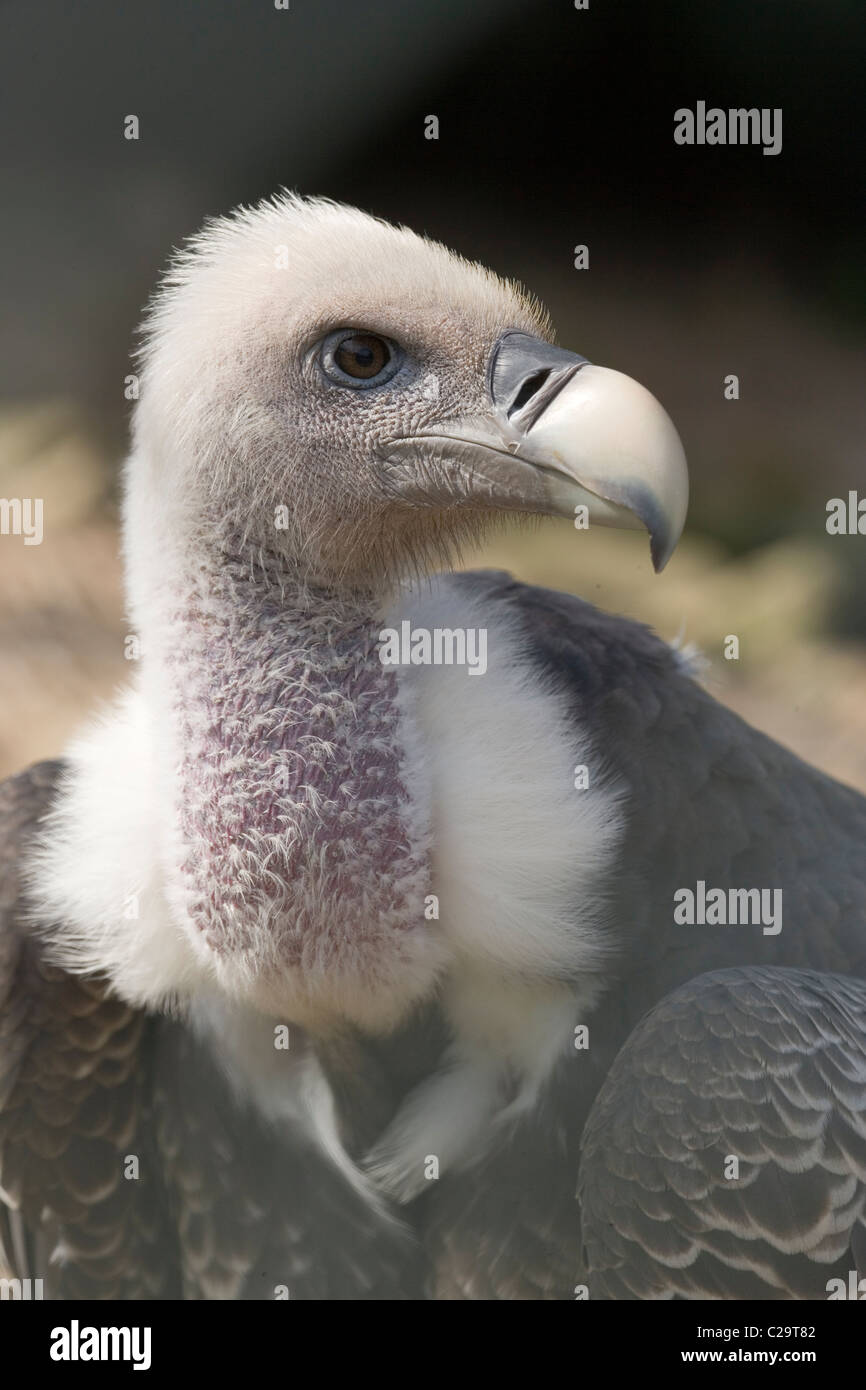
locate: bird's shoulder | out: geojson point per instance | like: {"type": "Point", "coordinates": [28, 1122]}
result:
{"type": "Point", "coordinates": [705, 797]}
{"type": "Point", "coordinates": [594, 647]}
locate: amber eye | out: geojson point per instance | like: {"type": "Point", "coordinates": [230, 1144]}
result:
{"type": "Point", "coordinates": [363, 355]}
{"type": "Point", "coordinates": [359, 359]}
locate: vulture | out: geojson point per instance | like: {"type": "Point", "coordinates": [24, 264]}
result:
{"type": "Point", "coordinates": [402, 933]}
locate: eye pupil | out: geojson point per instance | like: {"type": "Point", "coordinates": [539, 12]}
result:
{"type": "Point", "coordinates": [362, 355]}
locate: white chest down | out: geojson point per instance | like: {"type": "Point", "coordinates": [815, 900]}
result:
{"type": "Point", "coordinates": [524, 828]}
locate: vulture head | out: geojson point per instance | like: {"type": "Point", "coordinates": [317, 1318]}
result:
{"type": "Point", "coordinates": [359, 398]}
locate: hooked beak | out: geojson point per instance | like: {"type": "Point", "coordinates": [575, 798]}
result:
{"type": "Point", "coordinates": [561, 434]}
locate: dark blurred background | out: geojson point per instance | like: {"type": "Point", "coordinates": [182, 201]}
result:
{"type": "Point", "coordinates": [556, 128]}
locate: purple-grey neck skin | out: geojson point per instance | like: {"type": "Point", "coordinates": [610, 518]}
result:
{"type": "Point", "coordinates": [298, 856]}
{"type": "Point", "coordinates": [304, 846]}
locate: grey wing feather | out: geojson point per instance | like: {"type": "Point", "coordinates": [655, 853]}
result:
{"type": "Point", "coordinates": [23, 800]}
{"type": "Point", "coordinates": [725, 1155]}
{"type": "Point", "coordinates": [74, 1080]}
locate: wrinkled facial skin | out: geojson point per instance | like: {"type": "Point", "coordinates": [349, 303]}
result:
{"type": "Point", "coordinates": [330, 439]}
{"type": "Point", "coordinates": [440, 377]}
{"type": "Point", "coordinates": [238, 410]}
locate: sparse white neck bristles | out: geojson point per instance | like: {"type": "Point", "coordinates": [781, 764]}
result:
{"type": "Point", "coordinates": [172, 553]}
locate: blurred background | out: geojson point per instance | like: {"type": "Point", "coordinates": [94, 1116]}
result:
{"type": "Point", "coordinates": [556, 129]}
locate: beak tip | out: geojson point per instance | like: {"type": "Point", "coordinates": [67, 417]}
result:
{"type": "Point", "coordinates": [661, 550]}
{"type": "Point", "coordinates": [663, 516]}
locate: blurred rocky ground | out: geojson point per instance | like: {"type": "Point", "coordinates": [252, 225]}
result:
{"type": "Point", "coordinates": [61, 610]}
{"type": "Point", "coordinates": [62, 625]}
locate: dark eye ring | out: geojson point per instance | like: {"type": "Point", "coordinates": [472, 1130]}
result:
{"type": "Point", "coordinates": [352, 357]}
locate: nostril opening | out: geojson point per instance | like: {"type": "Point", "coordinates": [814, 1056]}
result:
{"type": "Point", "coordinates": [527, 390]}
